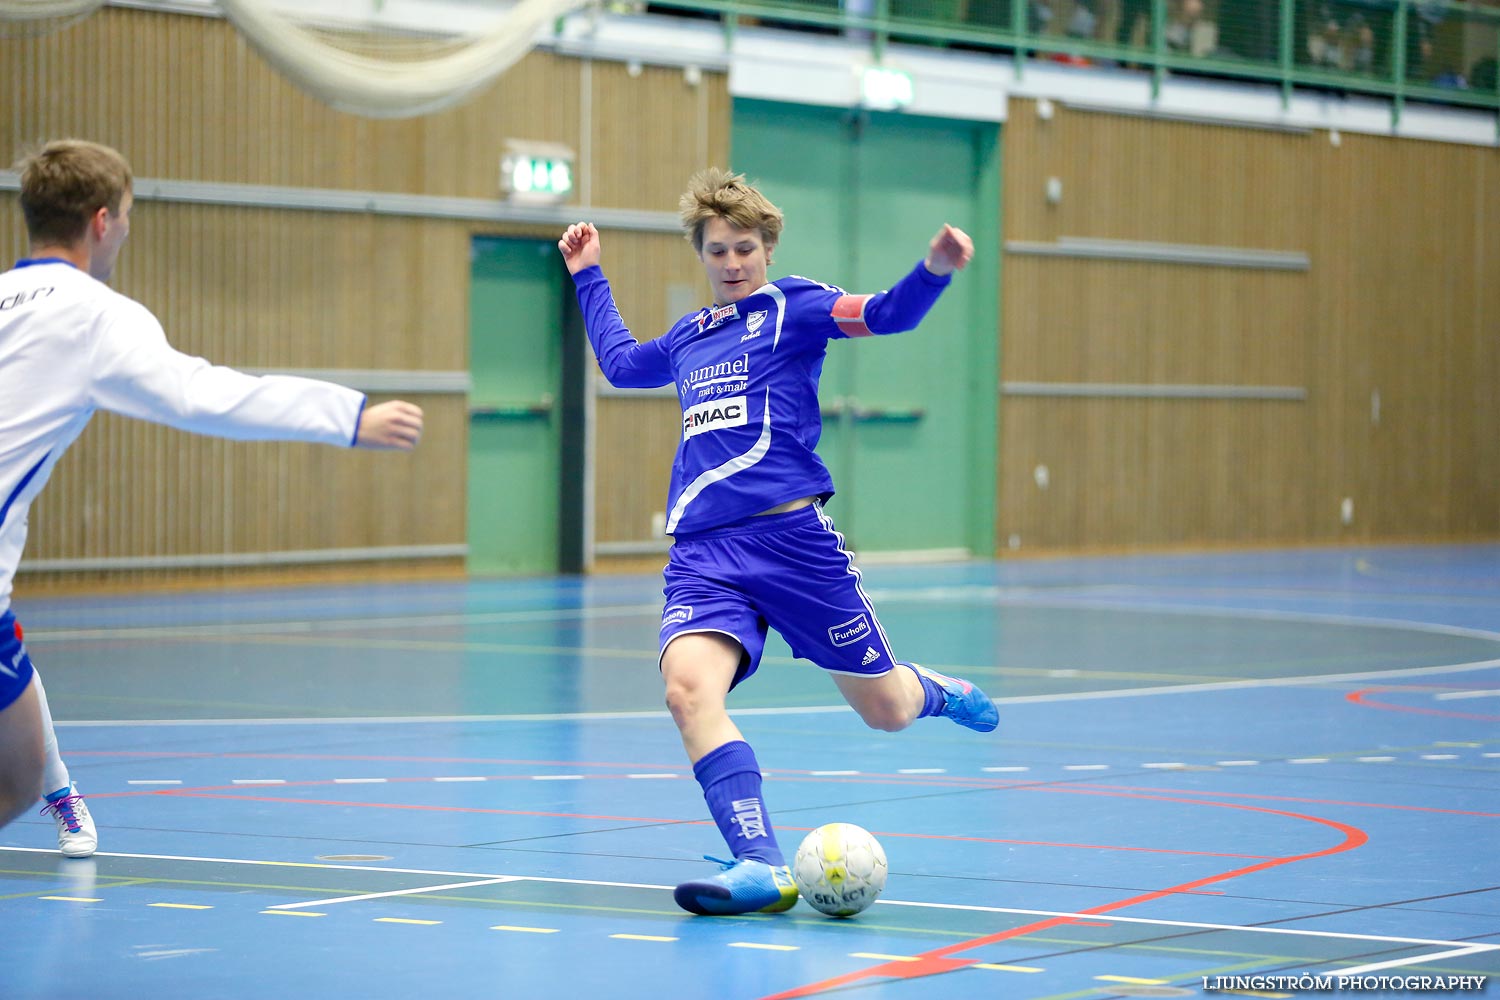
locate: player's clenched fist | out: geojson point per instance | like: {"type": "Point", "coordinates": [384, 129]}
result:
{"type": "Point", "coordinates": [580, 246]}
{"type": "Point", "coordinates": [949, 250]}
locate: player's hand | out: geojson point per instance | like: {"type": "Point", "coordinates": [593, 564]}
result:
{"type": "Point", "coordinates": [580, 246]}
{"type": "Point", "coordinates": [949, 250]}
{"type": "Point", "coordinates": [396, 425]}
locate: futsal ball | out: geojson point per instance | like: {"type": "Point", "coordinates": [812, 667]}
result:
{"type": "Point", "coordinates": [840, 869]}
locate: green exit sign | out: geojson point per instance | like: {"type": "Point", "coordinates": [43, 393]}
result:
{"type": "Point", "coordinates": [537, 175]}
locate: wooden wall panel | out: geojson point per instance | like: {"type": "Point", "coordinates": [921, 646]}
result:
{"type": "Point", "coordinates": [643, 159]}
{"type": "Point", "coordinates": [637, 439]}
{"type": "Point", "coordinates": [186, 99]}
{"type": "Point", "coordinates": [128, 488]}
{"type": "Point", "coordinates": [1396, 304]}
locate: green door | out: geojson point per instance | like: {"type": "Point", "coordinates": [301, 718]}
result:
{"type": "Point", "coordinates": [515, 361]}
{"type": "Point", "coordinates": [909, 421]}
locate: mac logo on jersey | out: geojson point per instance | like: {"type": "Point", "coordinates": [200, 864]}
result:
{"type": "Point", "coordinates": [850, 632]}
{"type": "Point", "coordinates": [713, 416]}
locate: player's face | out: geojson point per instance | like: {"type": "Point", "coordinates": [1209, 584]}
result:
{"type": "Point", "coordinates": [734, 259]}
{"type": "Point", "coordinates": [116, 229]}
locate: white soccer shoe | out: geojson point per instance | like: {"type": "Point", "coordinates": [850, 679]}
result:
{"type": "Point", "coordinates": [76, 835]}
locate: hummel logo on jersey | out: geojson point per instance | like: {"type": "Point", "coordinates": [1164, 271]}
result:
{"type": "Point", "coordinates": [713, 416]}
{"type": "Point", "coordinates": [870, 656]}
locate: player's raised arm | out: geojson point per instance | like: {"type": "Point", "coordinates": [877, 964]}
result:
{"type": "Point", "coordinates": [949, 250]}
{"type": "Point", "coordinates": [391, 426]}
{"type": "Point", "coordinates": [626, 363]}
{"type": "Point", "coordinates": [905, 304]}
{"type": "Point", "coordinates": [580, 246]}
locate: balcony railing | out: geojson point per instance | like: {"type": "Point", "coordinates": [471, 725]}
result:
{"type": "Point", "coordinates": [1440, 51]}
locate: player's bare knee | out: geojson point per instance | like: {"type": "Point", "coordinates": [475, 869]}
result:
{"type": "Point", "coordinates": [682, 699]}
{"type": "Point", "coordinates": [886, 716]}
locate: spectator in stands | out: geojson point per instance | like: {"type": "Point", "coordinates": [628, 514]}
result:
{"type": "Point", "coordinates": [1189, 32]}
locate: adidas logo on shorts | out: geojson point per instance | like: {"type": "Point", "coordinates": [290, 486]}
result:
{"type": "Point", "coordinates": [870, 656]}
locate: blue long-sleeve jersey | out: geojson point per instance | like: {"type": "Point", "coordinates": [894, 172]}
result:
{"type": "Point", "coordinates": [746, 375]}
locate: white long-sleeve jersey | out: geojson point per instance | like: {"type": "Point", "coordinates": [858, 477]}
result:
{"type": "Point", "coordinates": [69, 345]}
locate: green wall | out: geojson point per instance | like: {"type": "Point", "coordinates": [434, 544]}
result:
{"type": "Point", "coordinates": [909, 427]}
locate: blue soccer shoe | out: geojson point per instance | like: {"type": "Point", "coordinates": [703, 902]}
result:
{"type": "Point", "coordinates": [964, 703]}
{"type": "Point", "coordinates": [743, 886]}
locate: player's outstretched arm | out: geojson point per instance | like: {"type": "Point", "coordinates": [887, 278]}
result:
{"type": "Point", "coordinates": [580, 246]}
{"type": "Point", "coordinates": [949, 250]}
{"type": "Point", "coordinates": [396, 425]}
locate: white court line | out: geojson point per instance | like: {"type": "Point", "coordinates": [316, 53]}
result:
{"type": "Point", "coordinates": [1186, 688]}
{"type": "Point", "coordinates": [1150, 922]}
{"type": "Point", "coordinates": [1415, 960]}
{"type": "Point", "coordinates": [397, 892]}
{"type": "Point", "coordinates": [311, 625]}
{"type": "Point", "coordinates": [1460, 695]}
{"type": "Point", "coordinates": [439, 719]}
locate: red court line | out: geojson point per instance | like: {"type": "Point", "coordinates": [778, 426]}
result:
{"type": "Point", "coordinates": [937, 961]}
{"type": "Point", "coordinates": [1361, 698]}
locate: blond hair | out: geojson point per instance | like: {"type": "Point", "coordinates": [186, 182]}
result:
{"type": "Point", "coordinates": [719, 194]}
{"type": "Point", "coordinates": [64, 183]}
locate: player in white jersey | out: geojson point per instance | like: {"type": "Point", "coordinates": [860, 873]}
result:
{"type": "Point", "coordinates": [70, 346]}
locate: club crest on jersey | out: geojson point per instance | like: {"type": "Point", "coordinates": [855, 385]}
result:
{"type": "Point", "coordinates": [713, 416]}
{"type": "Point", "coordinates": [710, 318]}
{"type": "Point", "coordinates": [755, 320]}
{"type": "Point", "coordinates": [850, 632]}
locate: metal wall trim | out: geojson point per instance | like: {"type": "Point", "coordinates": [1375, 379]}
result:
{"type": "Point", "coordinates": [384, 203]}
{"type": "Point", "coordinates": [1163, 253]}
{"type": "Point", "coordinates": [214, 560]}
{"type": "Point", "coordinates": [1127, 390]}
{"type": "Point", "coordinates": [458, 383]}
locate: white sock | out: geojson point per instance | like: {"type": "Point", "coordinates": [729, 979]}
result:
{"type": "Point", "coordinates": [55, 775]}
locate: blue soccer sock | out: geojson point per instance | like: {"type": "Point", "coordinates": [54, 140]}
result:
{"type": "Point", "coordinates": [932, 693]}
{"type": "Point", "coordinates": [730, 777]}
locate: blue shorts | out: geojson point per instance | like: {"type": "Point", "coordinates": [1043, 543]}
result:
{"type": "Point", "coordinates": [789, 572]}
{"type": "Point", "coordinates": [15, 665]}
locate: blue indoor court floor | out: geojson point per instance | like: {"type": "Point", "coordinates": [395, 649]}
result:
{"type": "Point", "coordinates": [1211, 765]}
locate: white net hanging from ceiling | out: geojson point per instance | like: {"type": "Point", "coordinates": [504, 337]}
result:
{"type": "Point", "coordinates": [384, 67]}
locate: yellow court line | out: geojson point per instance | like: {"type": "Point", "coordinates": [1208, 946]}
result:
{"type": "Point", "coordinates": [403, 920]}
{"type": "Point", "coordinates": [293, 913]}
{"type": "Point", "coordinates": [180, 906]}
{"type": "Point", "coordinates": [1008, 968]}
{"type": "Point", "coordinates": [75, 899]}
{"type": "Point", "coordinates": [641, 937]}
{"type": "Point", "coordinates": [524, 930]}
{"type": "Point", "coordinates": [884, 958]}
{"type": "Point", "coordinates": [1133, 981]}
{"type": "Point", "coordinates": [764, 947]}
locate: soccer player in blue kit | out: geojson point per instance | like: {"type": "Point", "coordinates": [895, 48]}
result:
{"type": "Point", "coordinates": [752, 545]}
